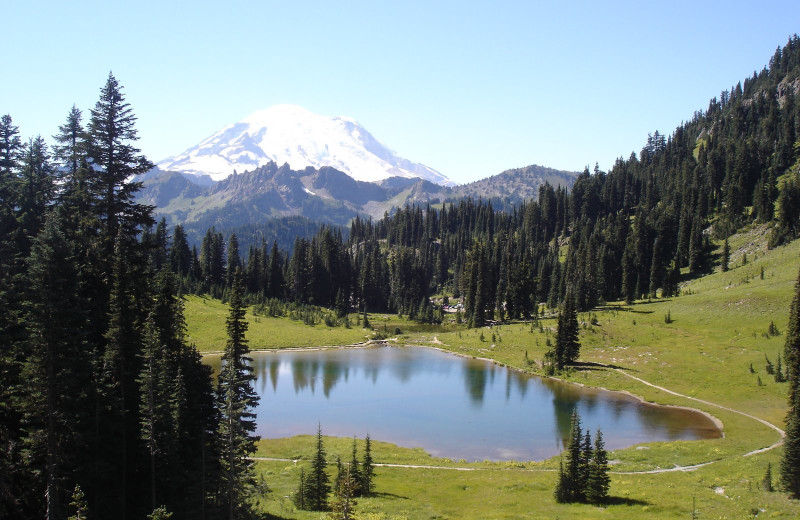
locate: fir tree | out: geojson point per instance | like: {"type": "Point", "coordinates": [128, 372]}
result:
{"type": "Point", "coordinates": [236, 401]}
{"type": "Point", "coordinates": [766, 482]}
{"type": "Point", "coordinates": [318, 482]}
{"type": "Point", "coordinates": [56, 367]}
{"type": "Point", "coordinates": [366, 486]}
{"type": "Point", "coordinates": [344, 498]}
{"type": "Point", "coordinates": [574, 466]}
{"type": "Point", "coordinates": [354, 470]}
{"type": "Point", "coordinates": [726, 255]}
{"type": "Point", "coordinates": [567, 345]}
{"type": "Point", "coordinates": [597, 481]}
{"type": "Point", "coordinates": [790, 464]}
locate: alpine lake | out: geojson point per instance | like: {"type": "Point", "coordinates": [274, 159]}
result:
{"type": "Point", "coordinates": [451, 406]}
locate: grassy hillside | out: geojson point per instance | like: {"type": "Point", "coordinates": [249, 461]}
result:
{"type": "Point", "coordinates": [719, 328]}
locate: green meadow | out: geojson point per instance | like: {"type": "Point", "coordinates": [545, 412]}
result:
{"type": "Point", "coordinates": [716, 330]}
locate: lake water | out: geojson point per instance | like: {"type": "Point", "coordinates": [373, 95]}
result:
{"type": "Point", "coordinates": [451, 406]}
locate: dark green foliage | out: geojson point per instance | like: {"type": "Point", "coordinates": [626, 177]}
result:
{"type": "Point", "coordinates": [56, 368]}
{"type": "Point", "coordinates": [354, 472]}
{"type": "Point", "coordinates": [766, 482]}
{"type": "Point", "coordinates": [317, 483]}
{"type": "Point", "coordinates": [344, 495]}
{"type": "Point", "coordinates": [597, 480]}
{"type": "Point", "coordinates": [237, 400]}
{"type": "Point", "coordinates": [299, 497]}
{"type": "Point", "coordinates": [567, 345]}
{"type": "Point", "coordinates": [366, 486]}
{"type": "Point", "coordinates": [726, 255]}
{"type": "Point", "coordinates": [790, 463]}
{"type": "Point", "coordinates": [583, 476]}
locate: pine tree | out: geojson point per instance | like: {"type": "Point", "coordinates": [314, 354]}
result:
{"type": "Point", "coordinates": [299, 497]}
{"type": "Point", "coordinates": [366, 486]}
{"type": "Point", "coordinates": [573, 467]}
{"type": "Point", "coordinates": [78, 504]}
{"type": "Point", "coordinates": [236, 401]}
{"type": "Point", "coordinates": [597, 480]}
{"type": "Point", "coordinates": [318, 482]}
{"type": "Point", "coordinates": [354, 468]}
{"type": "Point", "coordinates": [726, 255]}
{"type": "Point", "coordinates": [110, 135]}
{"type": "Point", "coordinates": [790, 463]}
{"type": "Point", "coordinates": [70, 142]}
{"type": "Point", "coordinates": [562, 484]}
{"type": "Point", "coordinates": [344, 497]}
{"type": "Point", "coordinates": [567, 347]}
{"type": "Point", "coordinates": [56, 367]}
{"type": "Point", "coordinates": [766, 482]}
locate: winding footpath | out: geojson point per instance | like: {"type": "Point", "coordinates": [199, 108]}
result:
{"type": "Point", "coordinates": [709, 403]}
{"type": "Point", "coordinates": [643, 472]}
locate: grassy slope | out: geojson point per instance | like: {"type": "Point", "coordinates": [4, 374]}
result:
{"type": "Point", "coordinates": [716, 334]}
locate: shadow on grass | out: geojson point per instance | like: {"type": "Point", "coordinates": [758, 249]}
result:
{"type": "Point", "coordinates": [620, 501]}
{"type": "Point", "coordinates": [591, 365]}
{"type": "Point", "coordinates": [388, 495]}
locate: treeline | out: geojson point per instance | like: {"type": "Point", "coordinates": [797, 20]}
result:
{"type": "Point", "coordinates": [622, 234]}
{"type": "Point", "coordinates": [106, 411]}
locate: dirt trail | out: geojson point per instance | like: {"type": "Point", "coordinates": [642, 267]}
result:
{"type": "Point", "coordinates": [643, 472]}
{"type": "Point", "coordinates": [709, 403]}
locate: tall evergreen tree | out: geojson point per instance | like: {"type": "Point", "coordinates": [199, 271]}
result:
{"type": "Point", "coordinates": [366, 486]}
{"type": "Point", "coordinates": [790, 464]}
{"type": "Point", "coordinates": [597, 480]}
{"type": "Point", "coordinates": [317, 482]}
{"type": "Point", "coordinates": [236, 401]}
{"type": "Point", "coordinates": [56, 368]}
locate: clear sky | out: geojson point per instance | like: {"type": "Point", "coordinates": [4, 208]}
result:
{"type": "Point", "coordinates": [467, 88]}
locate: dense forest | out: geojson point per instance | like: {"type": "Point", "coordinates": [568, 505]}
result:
{"type": "Point", "coordinates": [633, 232]}
{"type": "Point", "coordinates": [105, 410]}
{"type": "Point", "coordinates": [95, 369]}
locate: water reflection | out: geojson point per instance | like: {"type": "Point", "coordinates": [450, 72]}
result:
{"type": "Point", "coordinates": [451, 406]}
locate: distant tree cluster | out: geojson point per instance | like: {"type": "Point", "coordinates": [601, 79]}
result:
{"type": "Point", "coordinates": [622, 234]}
{"type": "Point", "coordinates": [106, 410]}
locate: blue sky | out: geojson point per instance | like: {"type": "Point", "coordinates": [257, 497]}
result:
{"type": "Point", "coordinates": [468, 88]}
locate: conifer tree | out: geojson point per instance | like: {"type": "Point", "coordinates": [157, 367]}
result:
{"type": "Point", "coordinates": [344, 497]}
{"type": "Point", "coordinates": [236, 401]}
{"type": "Point", "coordinates": [366, 486]}
{"type": "Point", "coordinates": [318, 482]}
{"type": "Point", "coordinates": [574, 467]}
{"type": "Point", "coordinates": [110, 135]}
{"type": "Point", "coordinates": [726, 255]}
{"type": "Point", "coordinates": [766, 482]}
{"type": "Point", "coordinates": [56, 367]}
{"type": "Point", "coordinates": [790, 464]}
{"type": "Point", "coordinates": [70, 142]}
{"type": "Point", "coordinates": [567, 346]}
{"type": "Point", "coordinates": [597, 481]}
{"type": "Point", "coordinates": [354, 468]}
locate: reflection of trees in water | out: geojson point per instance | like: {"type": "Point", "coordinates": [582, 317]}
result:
{"type": "Point", "coordinates": [332, 371]}
{"type": "Point", "coordinates": [402, 369]}
{"type": "Point", "coordinates": [300, 375]}
{"type": "Point", "coordinates": [274, 367]}
{"type": "Point", "coordinates": [676, 423]}
{"type": "Point", "coordinates": [565, 401]}
{"type": "Point", "coordinates": [475, 380]}
{"type": "Point", "coordinates": [518, 380]}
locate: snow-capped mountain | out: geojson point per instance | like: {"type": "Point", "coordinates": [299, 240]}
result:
{"type": "Point", "coordinates": [291, 134]}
